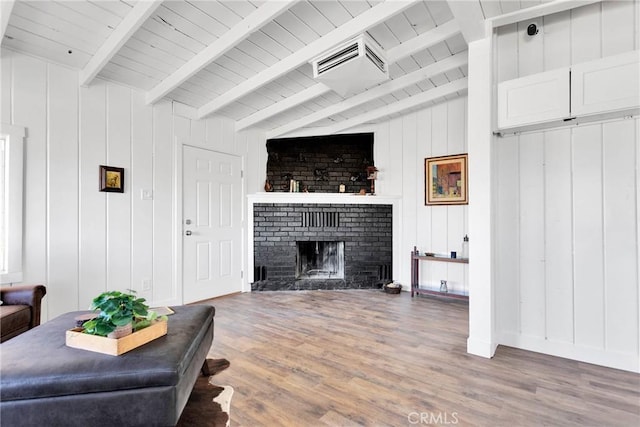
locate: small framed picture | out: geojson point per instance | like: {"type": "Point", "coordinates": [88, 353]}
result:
{"type": "Point", "coordinates": [111, 179]}
{"type": "Point", "coordinates": [446, 180]}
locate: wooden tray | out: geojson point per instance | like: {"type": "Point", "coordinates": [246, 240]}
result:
{"type": "Point", "coordinates": [115, 347]}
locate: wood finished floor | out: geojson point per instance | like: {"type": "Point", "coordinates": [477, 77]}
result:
{"type": "Point", "coordinates": [366, 358]}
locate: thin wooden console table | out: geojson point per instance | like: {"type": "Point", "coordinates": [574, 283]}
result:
{"type": "Point", "coordinates": [415, 286]}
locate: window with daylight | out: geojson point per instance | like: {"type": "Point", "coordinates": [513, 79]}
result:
{"type": "Point", "coordinates": [11, 155]}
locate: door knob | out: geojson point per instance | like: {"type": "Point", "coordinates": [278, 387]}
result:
{"type": "Point", "coordinates": [188, 232]}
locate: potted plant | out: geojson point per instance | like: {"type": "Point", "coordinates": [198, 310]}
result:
{"type": "Point", "coordinates": [119, 314]}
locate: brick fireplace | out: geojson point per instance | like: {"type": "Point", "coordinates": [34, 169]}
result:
{"type": "Point", "coordinates": [322, 245]}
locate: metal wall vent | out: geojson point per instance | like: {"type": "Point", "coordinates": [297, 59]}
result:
{"type": "Point", "coordinates": [352, 67]}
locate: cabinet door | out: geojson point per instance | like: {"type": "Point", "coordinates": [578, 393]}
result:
{"type": "Point", "coordinates": [608, 84]}
{"type": "Point", "coordinates": [534, 99]}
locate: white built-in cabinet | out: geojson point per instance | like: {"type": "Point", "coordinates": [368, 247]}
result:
{"type": "Point", "coordinates": [594, 90]}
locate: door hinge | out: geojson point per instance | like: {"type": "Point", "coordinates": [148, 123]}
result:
{"type": "Point", "coordinates": [242, 274]}
{"type": "Point", "coordinates": [241, 174]}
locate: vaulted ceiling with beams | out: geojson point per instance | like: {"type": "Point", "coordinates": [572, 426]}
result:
{"type": "Point", "coordinates": [250, 60]}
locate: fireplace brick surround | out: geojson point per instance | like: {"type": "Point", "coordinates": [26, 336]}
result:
{"type": "Point", "coordinates": [365, 229]}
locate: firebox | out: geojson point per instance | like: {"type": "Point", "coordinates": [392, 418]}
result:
{"type": "Point", "coordinates": [309, 246]}
{"type": "Point", "coordinates": [320, 260]}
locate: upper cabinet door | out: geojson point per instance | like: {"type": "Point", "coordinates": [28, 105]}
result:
{"type": "Point", "coordinates": [534, 99]}
{"type": "Point", "coordinates": [608, 84]}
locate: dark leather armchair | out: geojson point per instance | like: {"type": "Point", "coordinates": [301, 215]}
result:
{"type": "Point", "coordinates": [20, 309]}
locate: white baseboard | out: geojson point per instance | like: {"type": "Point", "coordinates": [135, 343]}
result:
{"type": "Point", "coordinates": [624, 361]}
{"type": "Point", "coordinates": [481, 348]}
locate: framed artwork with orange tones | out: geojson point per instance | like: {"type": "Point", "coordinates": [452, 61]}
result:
{"type": "Point", "coordinates": [446, 180]}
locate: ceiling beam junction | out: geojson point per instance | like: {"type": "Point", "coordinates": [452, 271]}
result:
{"type": "Point", "coordinates": [372, 94]}
{"type": "Point", "coordinates": [403, 50]}
{"type": "Point", "coordinates": [470, 17]}
{"type": "Point", "coordinates": [227, 41]}
{"type": "Point", "coordinates": [294, 100]}
{"type": "Point", "coordinates": [345, 32]}
{"type": "Point", "coordinates": [6, 7]}
{"type": "Point", "coordinates": [423, 41]}
{"type": "Point", "coordinates": [129, 25]}
{"type": "Point", "coordinates": [542, 9]}
{"type": "Point", "coordinates": [395, 108]}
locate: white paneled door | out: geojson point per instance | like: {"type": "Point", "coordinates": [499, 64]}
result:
{"type": "Point", "coordinates": [211, 224]}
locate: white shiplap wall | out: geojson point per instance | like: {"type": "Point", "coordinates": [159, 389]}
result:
{"type": "Point", "coordinates": [567, 205]}
{"type": "Point", "coordinates": [78, 241]}
{"type": "Point", "coordinates": [401, 146]}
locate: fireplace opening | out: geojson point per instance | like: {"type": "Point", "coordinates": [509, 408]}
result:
{"type": "Point", "coordinates": [320, 260]}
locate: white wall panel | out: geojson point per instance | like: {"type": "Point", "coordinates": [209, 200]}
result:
{"type": "Point", "coordinates": [530, 51]}
{"type": "Point", "coordinates": [5, 81]}
{"type": "Point", "coordinates": [455, 233]}
{"type": "Point", "coordinates": [588, 236]}
{"type": "Point", "coordinates": [423, 213]}
{"type": "Point", "coordinates": [163, 272]}
{"type": "Point", "coordinates": [410, 186]}
{"type": "Point", "coordinates": [617, 17]}
{"type": "Point", "coordinates": [507, 235]}
{"type": "Point", "coordinates": [531, 249]}
{"type": "Point", "coordinates": [29, 92]}
{"type": "Point", "coordinates": [119, 204]}
{"type": "Point", "coordinates": [439, 130]}
{"type": "Point", "coordinates": [558, 237]}
{"type": "Point", "coordinates": [557, 41]}
{"type": "Point", "coordinates": [381, 152]}
{"type": "Point", "coordinates": [456, 125]}
{"type": "Point", "coordinates": [439, 214]}
{"type": "Point", "coordinates": [586, 33]}
{"type": "Point", "coordinates": [92, 264]}
{"type": "Point", "coordinates": [620, 247]}
{"type": "Point", "coordinates": [456, 223]}
{"type": "Point", "coordinates": [141, 179]}
{"type": "Point", "coordinates": [507, 48]}
{"type": "Point", "coordinates": [393, 160]}
{"type": "Point", "coordinates": [62, 182]}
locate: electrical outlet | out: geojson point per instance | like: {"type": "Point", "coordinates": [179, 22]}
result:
{"type": "Point", "coordinates": [146, 285]}
{"type": "Point", "coordinates": [146, 194]}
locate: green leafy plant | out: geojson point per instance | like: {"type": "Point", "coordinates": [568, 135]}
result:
{"type": "Point", "coordinates": [115, 309]}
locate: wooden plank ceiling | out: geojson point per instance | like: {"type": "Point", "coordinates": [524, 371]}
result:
{"type": "Point", "coordinates": [249, 60]}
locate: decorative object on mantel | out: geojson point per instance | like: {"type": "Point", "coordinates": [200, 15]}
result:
{"type": "Point", "coordinates": [372, 175]}
{"type": "Point", "coordinates": [121, 323]}
{"type": "Point", "coordinates": [446, 180]}
{"type": "Point", "coordinates": [321, 174]}
{"type": "Point", "coordinates": [358, 177]}
{"type": "Point", "coordinates": [268, 186]}
{"type": "Point", "coordinates": [287, 177]}
{"type": "Point", "coordinates": [111, 179]}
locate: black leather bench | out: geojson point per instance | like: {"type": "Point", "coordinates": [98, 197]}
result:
{"type": "Point", "coordinates": [44, 382]}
